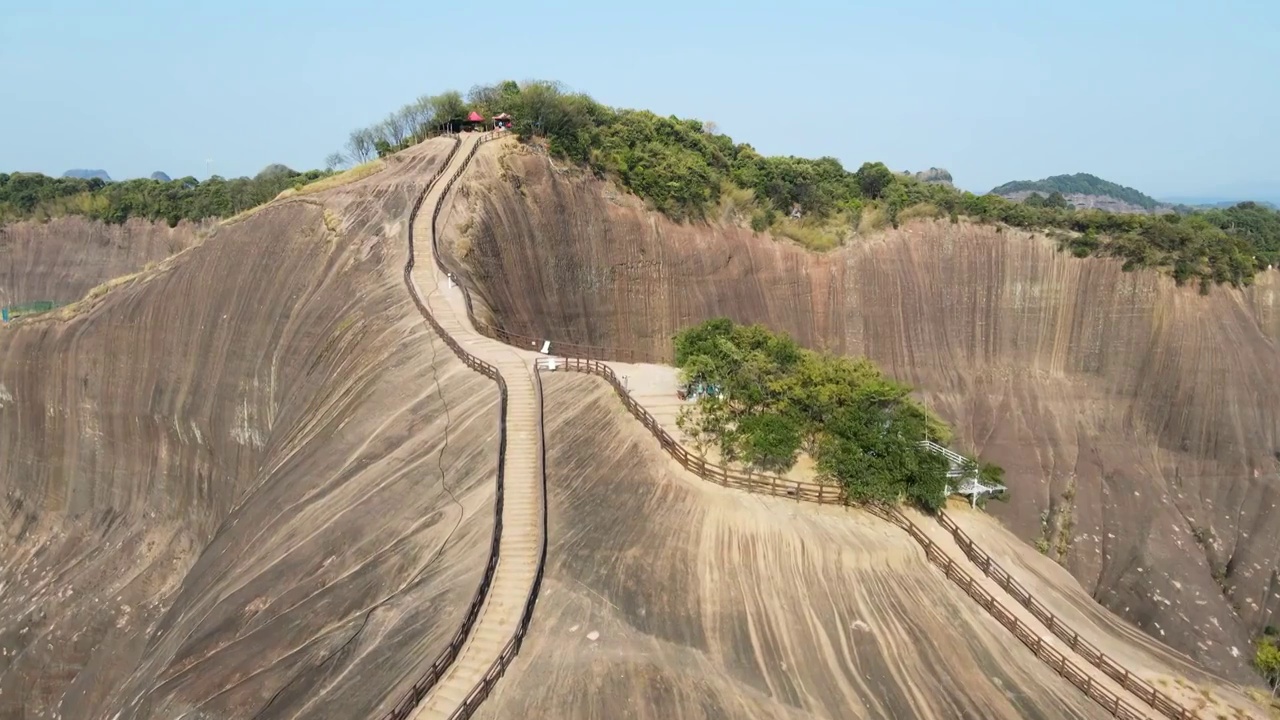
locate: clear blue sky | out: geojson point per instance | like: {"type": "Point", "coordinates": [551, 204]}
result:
{"type": "Point", "coordinates": [1173, 98]}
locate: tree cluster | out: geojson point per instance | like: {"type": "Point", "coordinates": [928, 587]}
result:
{"type": "Point", "coordinates": [770, 399]}
{"type": "Point", "coordinates": [683, 168]}
{"type": "Point", "coordinates": [36, 196]}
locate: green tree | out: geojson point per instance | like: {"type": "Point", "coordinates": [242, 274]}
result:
{"type": "Point", "coordinates": [769, 441]}
{"type": "Point", "coordinates": [874, 179]}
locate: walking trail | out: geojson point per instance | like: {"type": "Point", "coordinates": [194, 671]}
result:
{"type": "Point", "coordinates": [521, 512]}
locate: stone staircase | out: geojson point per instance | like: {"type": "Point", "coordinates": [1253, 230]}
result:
{"type": "Point", "coordinates": [521, 545]}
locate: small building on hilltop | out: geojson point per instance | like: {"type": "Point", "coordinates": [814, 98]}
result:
{"type": "Point", "coordinates": [502, 121]}
{"type": "Point", "coordinates": [474, 121]}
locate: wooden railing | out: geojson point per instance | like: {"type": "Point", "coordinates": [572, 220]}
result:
{"type": "Point", "coordinates": [415, 694]}
{"type": "Point", "coordinates": [500, 664]}
{"type": "Point", "coordinates": [499, 667]}
{"type": "Point", "coordinates": [1139, 687]}
{"type": "Point", "coordinates": [585, 358]}
{"type": "Point", "coordinates": [815, 492]}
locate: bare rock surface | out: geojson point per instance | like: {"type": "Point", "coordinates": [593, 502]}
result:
{"type": "Point", "coordinates": [667, 596]}
{"type": "Point", "coordinates": [247, 482]}
{"type": "Point", "coordinates": [61, 260]}
{"type": "Point", "coordinates": [1139, 422]}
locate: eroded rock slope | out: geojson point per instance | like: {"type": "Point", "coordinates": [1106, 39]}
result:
{"type": "Point", "coordinates": [247, 483]}
{"type": "Point", "coordinates": [1139, 422]}
{"type": "Point", "coordinates": [666, 596]}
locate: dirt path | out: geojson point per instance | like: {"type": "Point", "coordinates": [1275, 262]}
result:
{"type": "Point", "coordinates": [522, 532]}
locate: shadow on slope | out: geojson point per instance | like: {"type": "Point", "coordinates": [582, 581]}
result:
{"type": "Point", "coordinates": [246, 483]}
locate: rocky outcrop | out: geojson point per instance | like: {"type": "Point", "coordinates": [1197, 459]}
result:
{"type": "Point", "coordinates": [1081, 201]}
{"type": "Point", "coordinates": [934, 175]}
{"type": "Point", "coordinates": [248, 481]}
{"type": "Point", "coordinates": [1139, 422]}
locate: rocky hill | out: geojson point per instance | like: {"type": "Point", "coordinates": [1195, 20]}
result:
{"type": "Point", "coordinates": [1138, 421]}
{"type": "Point", "coordinates": [1085, 191]}
{"type": "Point", "coordinates": [236, 483]}
{"type": "Point", "coordinates": [87, 174]}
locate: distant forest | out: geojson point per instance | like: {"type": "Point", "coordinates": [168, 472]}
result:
{"type": "Point", "coordinates": [1082, 183]}
{"type": "Point", "coordinates": [33, 196]}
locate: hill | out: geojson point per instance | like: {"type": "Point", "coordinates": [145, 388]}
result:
{"type": "Point", "coordinates": [997, 330]}
{"type": "Point", "coordinates": [231, 486]}
{"type": "Point", "coordinates": [1080, 184]}
{"type": "Point", "coordinates": [247, 481]}
{"type": "Point", "coordinates": [87, 175]}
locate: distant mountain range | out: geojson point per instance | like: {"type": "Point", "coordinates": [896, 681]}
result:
{"type": "Point", "coordinates": [102, 175]}
{"type": "Point", "coordinates": [87, 174]}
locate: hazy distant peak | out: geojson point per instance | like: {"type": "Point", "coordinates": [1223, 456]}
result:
{"type": "Point", "coordinates": [87, 174]}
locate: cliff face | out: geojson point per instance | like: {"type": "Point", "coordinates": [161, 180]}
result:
{"type": "Point", "coordinates": [63, 259]}
{"type": "Point", "coordinates": [247, 482]}
{"type": "Point", "coordinates": [1139, 422]}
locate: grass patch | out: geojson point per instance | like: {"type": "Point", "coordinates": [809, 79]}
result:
{"type": "Point", "coordinates": [920, 211]}
{"type": "Point", "coordinates": [358, 172]}
{"type": "Point", "coordinates": [811, 237]}
{"type": "Point", "coordinates": [736, 204]}
{"type": "Point", "coordinates": [874, 218]}
{"type": "Point", "coordinates": [332, 221]}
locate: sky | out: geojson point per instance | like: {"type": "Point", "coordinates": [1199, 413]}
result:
{"type": "Point", "coordinates": [1174, 98]}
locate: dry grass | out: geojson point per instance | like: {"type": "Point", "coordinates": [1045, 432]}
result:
{"type": "Point", "coordinates": [874, 218]}
{"type": "Point", "coordinates": [358, 172]}
{"type": "Point", "coordinates": [332, 221]}
{"type": "Point", "coordinates": [736, 204]}
{"type": "Point", "coordinates": [815, 238]}
{"type": "Point", "coordinates": [922, 211]}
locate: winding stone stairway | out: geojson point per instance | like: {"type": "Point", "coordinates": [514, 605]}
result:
{"type": "Point", "coordinates": [522, 531]}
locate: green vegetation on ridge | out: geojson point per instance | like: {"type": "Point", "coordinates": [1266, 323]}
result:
{"type": "Point", "coordinates": [1082, 183]}
{"type": "Point", "coordinates": [770, 399]}
{"type": "Point", "coordinates": [688, 171]}
{"type": "Point", "coordinates": [32, 196]}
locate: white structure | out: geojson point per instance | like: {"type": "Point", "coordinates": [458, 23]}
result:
{"type": "Point", "coordinates": [969, 485]}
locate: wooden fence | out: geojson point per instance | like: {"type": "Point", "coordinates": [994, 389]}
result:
{"type": "Point", "coordinates": [436, 671]}
{"type": "Point", "coordinates": [1139, 687]}
{"type": "Point", "coordinates": [829, 495]}
{"type": "Point", "coordinates": [585, 358]}
{"type": "Point", "coordinates": [481, 691]}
